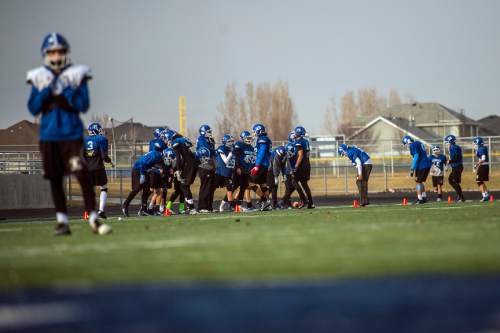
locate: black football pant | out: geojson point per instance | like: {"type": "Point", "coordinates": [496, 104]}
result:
{"type": "Point", "coordinates": [136, 188]}
{"type": "Point", "coordinates": [455, 178]}
{"type": "Point", "coordinates": [363, 184]}
{"type": "Point", "coordinates": [207, 188]}
{"type": "Point", "coordinates": [292, 185]}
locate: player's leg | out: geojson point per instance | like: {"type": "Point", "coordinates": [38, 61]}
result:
{"type": "Point", "coordinates": [136, 188]}
{"type": "Point", "coordinates": [101, 179]}
{"type": "Point", "coordinates": [204, 191]}
{"type": "Point", "coordinates": [481, 179]}
{"type": "Point", "coordinates": [366, 171]}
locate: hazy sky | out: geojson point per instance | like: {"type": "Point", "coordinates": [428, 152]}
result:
{"type": "Point", "coordinates": [144, 54]}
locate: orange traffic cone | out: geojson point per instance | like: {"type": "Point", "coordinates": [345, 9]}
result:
{"type": "Point", "coordinates": [405, 202]}
{"type": "Point", "coordinates": [85, 215]}
{"type": "Point", "coordinates": [450, 200]}
{"type": "Point", "coordinates": [168, 212]}
{"type": "Point", "coordinates": [237, 209]}
{"type": "Point", "coordinates": [491, 198]}
{"type": "Point", "coordinates": [355, 204]}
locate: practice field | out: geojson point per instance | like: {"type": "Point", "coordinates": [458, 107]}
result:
{"type": "Point", "coordinates": [291, 245]}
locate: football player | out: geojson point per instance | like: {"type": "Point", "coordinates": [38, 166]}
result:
{"type": "Point", "coordinates": [204, 160]}
{"type": "Point", "coordinates": [291, 183]}
{"type": "Point", "coordinates": [361, 160]}
{"type": "Point", "coordinates": [438, 163]}
{"type": "Point", "coordinates": [244, 161]}
{"type": "Point", "coordinates": [302, 168]}
{"type": "Point", "coordinates": [186, 166]}
{"type": "Point", "coordinates": [59, 93]}
{"type": "Point", "coordinates": [206, 171]}
{"type": "Point", "coordinates": [140, 181]}
{"type": "Point", "coordinates": [225, 162]}
{"type": "Point", "coordinates": [482, 167]}
{"type": "Point", "coordinates": [258, 174]}
{"type": "Point", "coordinates": [457, 167]}
{"type": "Point", "coordinates": [420, 166]}
{"type": "Point", "coordinates": [95, 147]}
{"type": "Point", "coordinates": [169, 161]}
{"type": "Point", "coordinates": [277, 167]}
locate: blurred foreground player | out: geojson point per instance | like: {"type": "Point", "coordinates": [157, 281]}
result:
{"type": "Point", "coordinates": [59, 93]}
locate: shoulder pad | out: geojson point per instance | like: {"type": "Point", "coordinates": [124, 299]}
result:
{"type": "Point", "coordinates": [263, 140]}
{"type": "Point", "coordinates": [39, 77]}
{"type": "Point", "coordinates": [75, 74]}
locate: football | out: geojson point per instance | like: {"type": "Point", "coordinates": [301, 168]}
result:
{"type": "Point", "coordinates": [104, 229]}
{"type": "Point", "coordinates": [296, 204]}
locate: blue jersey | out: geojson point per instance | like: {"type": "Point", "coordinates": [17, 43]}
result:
{"type": "Point", "coordinates": [204, 142]}
{"type": "Point", "coordinates": [420, 158]}
{"type": "Point", "coordinates": [456, 157]}
{"type": "Point", "coordinates": [148, 161]}
{"type": "Point", "coordinates": [181, 142]}
{"type": "Point", "coordinates": [159, 141]}
{"type": "Point", "coordinates": [245, 156]}
{"type": "Point", "coordinates": [95, 151]}
{"type": "Point", "coordinates": [304, 144]}
{"type": "Point", "coordinates": [263, 150]}
{"type": "Point", "coordinates": [438, 162]}
{"type": "Point", "coordinates": [483, 151]}
{"type": "Point", "coordinates": [354, 152]}
{"type": "Point", "coordinates": [60, 98]}
{"type": "Point", "coordinates": [224, 169]}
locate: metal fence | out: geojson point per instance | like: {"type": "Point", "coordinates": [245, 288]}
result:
{"type": "Point", "coordinates": [330, 175]}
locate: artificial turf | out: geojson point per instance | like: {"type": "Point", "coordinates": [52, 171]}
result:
{"type": "Point", "coordinates": [325, 243]}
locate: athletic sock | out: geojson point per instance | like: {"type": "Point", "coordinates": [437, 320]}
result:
{"type": "Point", "coordinates": [419, 196]}
{"type": "Point", "coordinates": [102, 200]}
{"type": "Point", "coordinates": [62, 218]}
{"type": "Point", "coordinates": [181, 206]}
{"type": "Point", "coordinates": [249, 205]}
{"type": "Point", "coordinates": [162, 208]}
{"type": "Point", "coordinates": [169, 205]}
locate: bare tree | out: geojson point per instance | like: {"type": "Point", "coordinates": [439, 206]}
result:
{"type": "Point", "coordinates": [331, 118]}
{"type": "Point", "coordinates": [394, 98]}
{"type": "Point", "coordinates": [348, 112]}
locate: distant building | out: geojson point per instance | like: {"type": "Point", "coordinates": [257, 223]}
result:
{"type": "Point", "coordinates": [489, 126]}
{"type": "Point", "coordinates": [22, 136]}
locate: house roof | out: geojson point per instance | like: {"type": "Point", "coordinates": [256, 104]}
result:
{"type": "Point", "coordinates": [402, 125]}
{"type": "Point", "coordinates": [491, 124]}
{"type": "Point", "coordinates": [427, 114]}
{"type": "Point", "coordinates": [21, 133]}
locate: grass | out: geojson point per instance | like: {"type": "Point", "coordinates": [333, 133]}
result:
{"type": "Point", "coordinates": [286, 245]}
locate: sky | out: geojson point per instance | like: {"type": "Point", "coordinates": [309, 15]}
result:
{"type": "Point", "coordinates": [145, 54]}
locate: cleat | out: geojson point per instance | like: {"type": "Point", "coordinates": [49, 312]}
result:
{"type": "Point", "coordinates": [101, 214]}
{"type": "Point", "coordinates": [62, 229]}
{"type": "Point", "coordinates": [266, 206]}
{"type": "Point", "coordinates": [424, 200]}
{"type": "Point", "coordinates": [311, 206]}
{"type": "Point", "coordinates": [485, 199]}
{"type": "Point", "coordinates": [438, 199]}
{"type": "Point", "coordinates": [95, 224]}
{"type": "Point", "coordinates": [248, 209]}
{"type": "Point", "coordinates": [193, 211]}
{"type": "Point", "coordinates": [125, 211]}
{"type": "Point", "coordinates": [419, 202]}
{"type": "Point", "coordinates": [142, 212]}
{"type": "Point", "coordinates": [204, 211]}
{"type": "Point", "coordinates": [222, 206]}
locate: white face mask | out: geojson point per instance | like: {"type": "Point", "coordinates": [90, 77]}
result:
{"type": "Point", "coordinates": [56, 59]}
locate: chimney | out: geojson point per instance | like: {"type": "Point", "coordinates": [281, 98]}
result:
{"type": "Point", "coordinates": [411, 120]}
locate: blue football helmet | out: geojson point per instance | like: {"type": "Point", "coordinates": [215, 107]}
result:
{"type": "Point", "coordinates": [205, 131]}
{"type": "Point", "coordinates": [259, 129]}
{"type": "Point", "coordinates": [228, 140]}
{"type": "Point", "coordinates": [246, 137]}
{"type": "Point", "coordinates": [203, 155]}
{"type": "Point", "coordinates": [52, 42]}
{"type": "Point", "coordinates": [342, 150]}
{"type": "Point", "coordinates": [407, 140]}
{"type": "Point", "coordinates": [169, 156]}
{"type": "Point", "coordinates": [158, 132]}
{"type": "Point", "coordinates": [95, 129]}
{"type": "Point", "coordinates": [478, 141]}
{"type": "Point", "coordinates": [280, 151]}
{"type": "Point", "coordinates": [450, 139]}
{"type": "Point", "coordinates": [291, 137]}
{"type": "Point", "coordinates": [290, 150]}
{"type": "Point", "coordinates": [169, 134]}
{"type": "Point", "coordinates": [299, 131]}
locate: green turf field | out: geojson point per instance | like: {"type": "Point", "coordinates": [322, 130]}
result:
{"type": "Point", "coordinates": [307, 244]}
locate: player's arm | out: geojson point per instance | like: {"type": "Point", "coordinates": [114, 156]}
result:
{"type": "Point", "coordinates": [300, 156]}
{"type": "Point", "coordinates": [78, 98]}
{"type": "Point", "coordinates": [105, 151]}
{"type": "Point", "coordinates": [261, 154]}
{"type": "Point", "coordinates": [37, 99]}
{"type": "Point", "coordinates": [414, 163]}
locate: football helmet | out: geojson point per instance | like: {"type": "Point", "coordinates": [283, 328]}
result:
{"type": "Point", "coordinates": [478, 141]}
{"type": "Point", "coordinates": [280, 151]}
{"type": "Point", "coordinates": [290, 150]}
{"type": "Point", "coordinates": [407, 140]}
{"type": "Point", "coordinates": [342, 150]}
{"type": "Point", "coordinates": [259, 129]}
{"type": "Point", "coordinates": [169, 156]}
{"type": "Point", "coordinates": [205, 131]}
{"type": "Point", "coordinates": [450, 139]}
{"type": "Point", "coordinates": [203, 155]}
{"type": "Point", "coordinates": [158, 132]}
{"type": "Point", "coordinates": [227, 140]}
{"type": "Point", "coordinates": [55, 51]}
{"type": "Point", "coordinates": [95, 129]}
{"type": "Point", "coordinates": [435, 149]}
{"type": "Point", "coordinates": [246, 137]}
{"type": "Point", "coordinates": [291, 137]}
{"type": "Point", "coordinates": [299, 131]}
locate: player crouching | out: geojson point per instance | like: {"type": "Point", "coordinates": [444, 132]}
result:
{"type": "Point", "coordinates": [420, 166]}
{"type": "Point", "coordinates": [361, 160]}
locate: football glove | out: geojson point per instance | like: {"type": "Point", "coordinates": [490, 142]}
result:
{"type": "Point", "coordinates": [142, 179]}
{"type": "Point", "coordinates": [255, 171]}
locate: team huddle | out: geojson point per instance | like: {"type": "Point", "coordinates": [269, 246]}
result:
{"type": "Point", "coordinates": [239, 165]}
